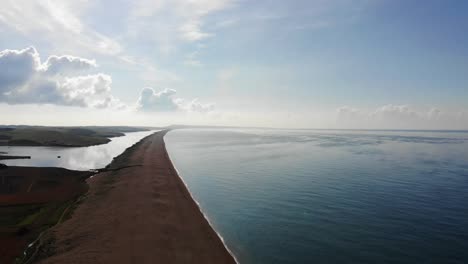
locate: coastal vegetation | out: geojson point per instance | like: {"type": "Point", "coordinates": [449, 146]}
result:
{"type": "Point", "coordinates": [61, 136]}
{"type": "Point", "coordinates": [31, 201]}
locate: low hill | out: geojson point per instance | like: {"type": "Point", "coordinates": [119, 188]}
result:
{"type": "Point", "coordinates": [61, 136]}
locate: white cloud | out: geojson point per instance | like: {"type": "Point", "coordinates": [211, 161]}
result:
{"type": "Point", "coordinates": [110, 102]}
{"type": "Point", "coordinates": [84, 90]}
{"type": "Point", "coordinates": [57, 22]}
{"type": "Point", "coordinates": [165, 101]}
{"type": "Point", "coordinates": [191, 31]}
{"type": "Point", "coordinates": [400, 117]}
{"type": "Point", "coordinates": [396, 113]}
{"type": "Point", "coordinates": [25, 80]}
{"type": "Point", "coordinates": [169, 24]}
{"type": "Point", "coordinates": [67, 64]}
{"type": "Point", "coordinates": [194, 12]}
{"type": "Point", "coordinates": [196, 106]}
{"type": "Point", "coordinates": [17, 66]}
{"type": "Point", "coordinates": [151, 100]}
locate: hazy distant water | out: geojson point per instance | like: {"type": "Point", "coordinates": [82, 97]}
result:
{"type": "Point", "coordinates": [331, 196]}
{"type": "Point", "coordinates": [82, 158]}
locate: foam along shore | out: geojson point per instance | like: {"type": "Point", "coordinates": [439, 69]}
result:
{"type": "Point", "coordinates": [141, 214]}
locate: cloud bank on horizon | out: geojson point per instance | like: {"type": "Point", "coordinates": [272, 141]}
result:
{"type": "Point", "coordinates": [318, 64]}
{"type": "Point", "coordinates": [400, 116]}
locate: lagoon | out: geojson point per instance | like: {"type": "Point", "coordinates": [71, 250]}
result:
{"type": "Point", "coordinates": [73, 158]}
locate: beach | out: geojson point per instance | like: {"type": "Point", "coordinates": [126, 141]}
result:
{"type": "Point", "coordinates": [138, 214]}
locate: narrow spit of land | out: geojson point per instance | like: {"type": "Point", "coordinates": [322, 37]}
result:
{"type": "Point", "coordinates": [7, 157]}
{"type": "Point", "coordinates": [140, 214]}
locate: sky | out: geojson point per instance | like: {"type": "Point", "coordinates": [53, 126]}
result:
{"type": "Point", "coordinates": [379, 64]}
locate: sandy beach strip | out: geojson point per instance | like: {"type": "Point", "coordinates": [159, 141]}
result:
{"type": "Point", "coordinates": [140, 214]}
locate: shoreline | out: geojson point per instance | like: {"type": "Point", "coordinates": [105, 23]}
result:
{"type": "Point", "coordinates": [142, 214]}
{"type": "Point", "coordinates": [198, 205]}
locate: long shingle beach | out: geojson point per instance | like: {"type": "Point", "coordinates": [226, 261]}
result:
{"type": "Point", "coordinates": [139, 214]}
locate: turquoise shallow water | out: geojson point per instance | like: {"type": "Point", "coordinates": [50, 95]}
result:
{"type": "Point", "coordinates": [316, 196]}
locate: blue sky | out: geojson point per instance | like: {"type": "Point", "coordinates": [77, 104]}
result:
{"type": "Point", "coordinates": [316, 63]}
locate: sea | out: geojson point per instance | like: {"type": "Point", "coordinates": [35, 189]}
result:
{"type": "Point", "coordinates": [330, 196]}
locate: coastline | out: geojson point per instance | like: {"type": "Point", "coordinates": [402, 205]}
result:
{"type": "Point", "coordinates": [198, 205]}
{"type": "Point", "coordinates": [140, 214]}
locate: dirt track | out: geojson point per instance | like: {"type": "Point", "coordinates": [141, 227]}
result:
{"type": "Point", "coordinates": [142, 214]}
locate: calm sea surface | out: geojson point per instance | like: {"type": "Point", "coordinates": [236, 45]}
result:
{"type": "Point", "coordinates": [330, 196]}
{"type": "Point", "coordinates": [82, 158]}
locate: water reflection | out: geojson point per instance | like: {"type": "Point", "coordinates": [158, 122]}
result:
{"type": "Point", "coordinates": [83, 158]}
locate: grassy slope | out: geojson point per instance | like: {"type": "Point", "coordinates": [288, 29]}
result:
{"type": "Point", "coordinates": [37, 205]}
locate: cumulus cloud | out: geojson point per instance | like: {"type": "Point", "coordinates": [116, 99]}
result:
{"type": "Point", "coordinates": [400, 117]}
{"type": "Point", "coordinates": [398, 113]}
{"type": "Point", "coordinates": [84, 90]}
{"type": "Point", "coordinates": [110, 102]}
{"type": "Point", "coordinates": [150, 100]}
{"type": "Point", "coordinates": [67, 64]}
{"type": "Point", "coordinates": [196, 106]}
{"type": "Point", "coordinates": [16, 67]}
{"type": "Point", "coordinates": [25, 80]}
{"type": "Point", "coordinates": [165, 101]}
